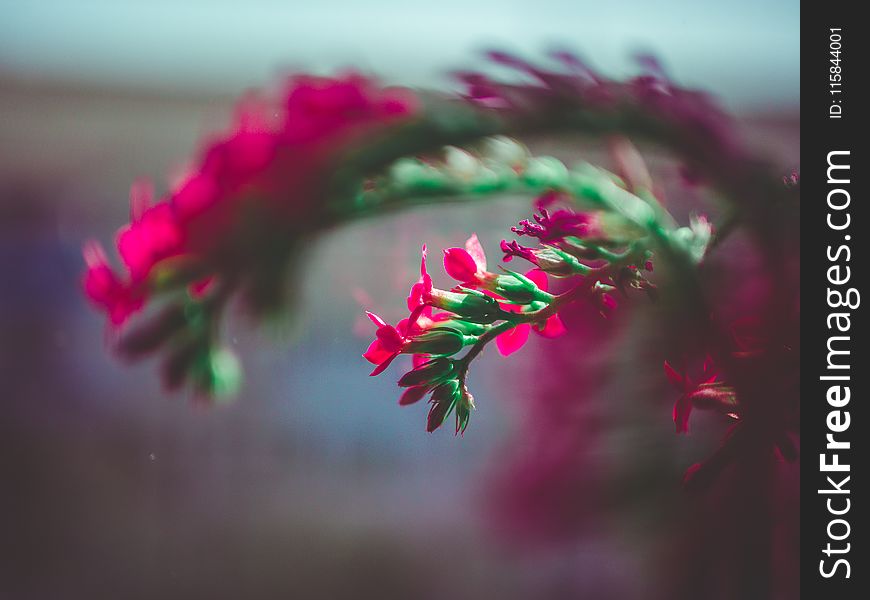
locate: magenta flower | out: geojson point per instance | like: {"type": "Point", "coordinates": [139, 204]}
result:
{"type": "Point", "coordinates": [270, 166]}
{"type": "Point", "coordinates": [148, 239]}
{"type": "Point", "coordinates": [387, 345]}
{"type": "Point", "coordinates": [687, 388]}
{"type": "Point", "coordinates": [106, 290]}
{"type": "Point", "coordinates": [410, 338]}
{"type": "Point", "coordinates": [554, 227]}
{"type": "Point", "coordinates": [467, 265]}
{"type": "Point", "coordinates": [421, 291]}
{"type": "Point", "coordinates": [515, 338]}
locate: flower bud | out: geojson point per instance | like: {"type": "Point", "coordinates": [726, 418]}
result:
{"type": "Point", "coordinates": [471, 306]}
{"type": "Point", "coordinates": [410, 173]}
{"type": "Point", "coordinates": [505, 151]}
{"type": "Point", "coordinates": [558, 263]}
{"type": "Point", "coordinates": [443, 400]}
{"type": "Point", "coordinates": [430, 372]}
{"type": "Point", "coordinates": [715, 396]}
{"type": "Point", "coordinates": [216, 372]}
{"type": "Point", "coordinates": [151, 336]}
{"type": "Point", "coordinates": [519, 289]}
{"type": "Point", "coordinates": [413, 394]}
{"type": "Point", "coordinates": [438, 340]}
{"type": "Point", "coordinates": [463, 412]}
{"type": "Point", "coordinates": [461, 164]}
{"type": "Point", "coordinates": [465, 327]}
{"type": "Point", "coordinates": [546, 171]}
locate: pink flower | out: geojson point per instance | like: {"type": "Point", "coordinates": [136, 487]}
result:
{"type": "Point", "coordinates": [422, 290]}
{"type": "Point", "coordinates": [408, 337]}
{"type": "Point", "coordinates": [554, 227]}
{"type": "Point", "coordinates": [153, 237]}
{"type": "Point", "coordinates": [102, 286]}
{"type": "Point", "coordinates": [513, 339]}
{"type": "Point", "coordinates": [466, 265]}
{"type": "Point", "coordinates": [387, 345]}
{"type": "Point", "coordinates": [269, 167]}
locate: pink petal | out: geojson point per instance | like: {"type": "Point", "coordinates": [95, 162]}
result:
{"type": "Point", "coordinates": [553, 328]}
{"type": "Point", "coordinates": [94, 254]}
{"type": "Point", "coordinates": [381, 367]}
{"type": "Point", "coordinates": [415, 296]}
{"type": "Point", "coordinates": [376, 319]}
{"type": "Point", "coordinates": [376, 353]}
{"type": "Point", "coordinates": [141, 195]}
{"type": "Point", "coordinates": [459, 264]}
{"type": "Point", "coordinates": [423, 272]}
{"type": "Point", "coordinates": [539, 277]}
{"type": "Point", "coordinates": [134, 250]}
{"type": "Point", "coordinates": [675, 378]}
{"type": "Point", "coordinates": [513, 339]}
{"type": "Point", "coordinates": [473, 247]}
{"type": "Point", "coordinates": [194, 196]}
{"type": "Point", "coordinates": [390, 337]}
{"type": "Point", "coordinates": [420, 290]}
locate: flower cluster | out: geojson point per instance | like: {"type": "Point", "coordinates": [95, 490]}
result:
{"type": "Point", "coordinates": [596, 259]}
{"type": "Point", "coordinates": [226, 222]}
{"type": "Point", "coordinates": [323, 152]}
{"type": "Point", "coordinates": [274, 156]}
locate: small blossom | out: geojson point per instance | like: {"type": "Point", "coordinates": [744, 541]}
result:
{"type": "Point", "coordinates": [513, 339]}
{"type": "Point", "coordinates": [119, 299]}
{"type": "Point", "coordinates": [154, 236]}
{"type": "Point", "coordinates": [556, 226]}
{"type": "Point", "coordinates": [387, 345]}
{"type": "Point", "coordinates": [683, 384]}
{"type": "Point", "coordinates": [273, 160]}
{"type": "Point", "coordinates": [468, 265]}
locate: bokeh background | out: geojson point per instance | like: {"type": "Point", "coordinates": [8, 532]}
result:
{"type": "Point", "coordinates": [313, 483]}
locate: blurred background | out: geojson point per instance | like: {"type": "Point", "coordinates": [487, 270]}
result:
{"type": "Point", "coordinates": [313, 483]}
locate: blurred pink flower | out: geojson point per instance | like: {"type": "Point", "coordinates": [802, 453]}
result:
{"type": "Point", "coordinates": [102, 286]}
{"type": "Point", "coordinates": [513, 339]}
{"type": "Point", "coordinates": [684, 384]}
{"type": "Point", "coordinates": [268, 168]}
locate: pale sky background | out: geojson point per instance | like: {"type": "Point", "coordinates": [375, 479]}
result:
{"type": "Point", "coordinates": [746, 52]}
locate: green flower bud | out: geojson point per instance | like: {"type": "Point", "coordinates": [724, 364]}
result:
{"type": "Point", "coordinates": [466, 327]}
{"type": "Point", "coordinates": [505, 151]}
{"type": "Point", "coordinates": [428, 373]}
{"type": "Point", "coordinates": [463, 412]}
{"type": "Point", "coordinates": [410, 173]}
{"type": "Point", "coordinates": [558, 263]}
{"type": "Point", "coordinates": [519, 289]}
{"type": "Point", "coordinates": [217, 372]}
{"type": "Point", "coordinates": [546, 171]}
{"type": "Point", "coordinates": [443, 400]}
{"type": "Point", "coordinates": [438, 340]}
{"type": "Point", "coordinates": [470, 305]}
{"type": "Point", "coordinates": [461, 164]}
